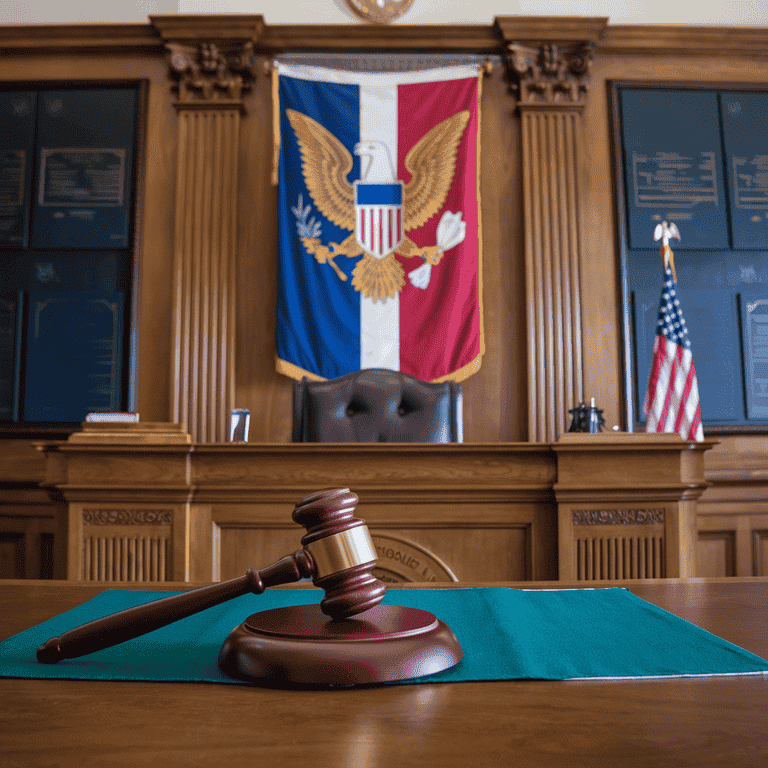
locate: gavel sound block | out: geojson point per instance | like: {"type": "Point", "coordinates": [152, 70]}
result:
{"type": "Point", "coordinates": [349, 639]}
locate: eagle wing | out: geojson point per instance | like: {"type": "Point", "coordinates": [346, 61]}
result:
{"type": "Point", "coordinates": [325, 163]}
{"type": "Point", "coordinates": [431, 163]}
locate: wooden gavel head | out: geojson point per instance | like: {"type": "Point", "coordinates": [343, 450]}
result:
{"type": "Point", "coordinates": [342, 551]}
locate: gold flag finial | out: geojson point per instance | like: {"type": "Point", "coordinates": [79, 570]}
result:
{"type": "Point", "coordinates": [664, 232]}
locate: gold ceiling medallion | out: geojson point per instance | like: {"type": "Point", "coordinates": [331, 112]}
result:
{"type": "Point", "coordinates": [379, 11]}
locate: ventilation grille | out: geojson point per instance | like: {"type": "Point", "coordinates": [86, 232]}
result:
{"type": "Point", "coordinates": [125, 558]}
{"type": "Point", "coordinates": [624, 557]}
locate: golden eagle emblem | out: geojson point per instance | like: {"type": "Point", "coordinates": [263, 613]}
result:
{"type": "Point", "coordinates": [326, 164]}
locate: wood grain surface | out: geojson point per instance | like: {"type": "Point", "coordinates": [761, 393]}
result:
{"type": "Point", "coordinates": [719, 721]}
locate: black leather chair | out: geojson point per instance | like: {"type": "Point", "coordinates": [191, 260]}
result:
{"type": "Point", "coordinates": [376, 405]}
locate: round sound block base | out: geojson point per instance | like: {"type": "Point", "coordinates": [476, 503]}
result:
{"type": "Point", "coordinates": [299, 645]}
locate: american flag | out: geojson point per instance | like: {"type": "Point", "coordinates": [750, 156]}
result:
{"type": "Point", "coordinates": [672, 399]}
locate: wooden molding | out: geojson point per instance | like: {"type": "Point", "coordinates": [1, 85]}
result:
{"type": "Point", "coordinates": [193, 28]}
{"type": "Point", "coordinates": [647, 39]}
{"type": "Point", "coordinates": [643, 39]}
{"type": "Point", "coordinates": [471, 38]}
{"type": "Point", "coordinates": [90, 38]}
{"type": "Point", "coordinates": [557, 29]}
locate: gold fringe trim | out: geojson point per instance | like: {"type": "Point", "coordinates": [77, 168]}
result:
{"type": "Point", "coordinates": [462, 373]}
{"type": "Point", "coordinates": [294, 371]}
{"type": "Point", "coordinates": [378, 279]}
{"type": "Point", "coordinates": [476, 362]}
{"type": "Point", "coordinates": [275, 125]}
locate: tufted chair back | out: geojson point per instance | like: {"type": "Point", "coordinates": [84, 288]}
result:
{"type": "Point", "coordinates": [376, 406]}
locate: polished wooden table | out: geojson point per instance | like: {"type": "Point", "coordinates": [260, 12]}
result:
{"type": "Point", "coordinates": [718, 721]}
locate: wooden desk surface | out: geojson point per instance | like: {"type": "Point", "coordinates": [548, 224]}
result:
{"type": "Point", "coordinates": [720, 721]}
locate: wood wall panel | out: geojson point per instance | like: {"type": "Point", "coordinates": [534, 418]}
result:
{"type": "Point", "coordinates": [760, 551]}
{"type": "Point", "coordinates": [497, 397]}
{"type": "Point", "coordinates": [204, 270]}
{"type": "Point", "coordinates": [552, 247]}
{"type": "Point", "coordinates": [490, 554]}
{"type": "Point", "coordinates": [716, 554]}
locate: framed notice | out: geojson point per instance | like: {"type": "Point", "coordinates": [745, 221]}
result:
{"type": "Point", "coordinates": [745, 134]}
{"type": "Point", "coordinates": [73, 355]}
{"type": "Point", "coordinates": [754, 313]}
{"type": "Point", "coordinates": [673, 166]}
{"type": "Point", "coordinates": [10, 352]}
{"type": "Point", "coordinates": [84, 168]}
{"type": "Point", "coordinates": [17, 141]}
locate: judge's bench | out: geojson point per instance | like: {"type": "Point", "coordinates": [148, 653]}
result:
{"type": "Point", "coordinates": [142, 502]}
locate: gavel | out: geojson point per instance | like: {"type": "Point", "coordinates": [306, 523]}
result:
{"type": "Point", "coordinates": [337, 553]}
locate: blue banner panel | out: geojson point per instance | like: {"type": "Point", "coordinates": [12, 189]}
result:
{"type": "Point", "coordinates": [10, 348]}
{"type": "Point", "coordinates": [74, 355]}
{"type": "Point", "coordinates": [713, 327]}
{"type": "Point", "coordinates": [673, 167]}
{"type": "Point", "coordinates": [745, 132]}
{"type": "Point", "coordinates": [17, 146]}
{"type": "Point", "coordinates": [84, 168]}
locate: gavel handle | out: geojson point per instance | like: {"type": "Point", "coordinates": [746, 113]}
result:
{"type": "Point", "coordinates": [125, 625]}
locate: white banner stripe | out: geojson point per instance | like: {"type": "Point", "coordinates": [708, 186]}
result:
{"type": "Point", "coordinates": [377, 79]}
{"type": "Point", "coordinates": [379, 320]}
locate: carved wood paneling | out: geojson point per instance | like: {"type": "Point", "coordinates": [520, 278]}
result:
{"type": "Point", "coordinates": [126, 558]}
{"type": "Point", "coordinates": [551, 85]}
{"type": "Point", "coordinates": [760, 552]}
{"type": "Point", "coordinates": [127, 516]}
{"type": "Point", "coordinates": [620, 557]}
{"type": "Point", "coordinates": [211, 62]}
{"type": "Point", "coordinates": [400, 559]}
{"type": "Point", "coordinates": [716, 553]}
{"type": "Point", "coordinates": [204, 271]}
{"type": "Point", "coordinates": [618, 517]}
{"type": "Point", "coordinates": [126, 544]}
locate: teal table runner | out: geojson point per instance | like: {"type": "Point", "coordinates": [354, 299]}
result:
{"type": "Point", "coordinates": [506, 634]}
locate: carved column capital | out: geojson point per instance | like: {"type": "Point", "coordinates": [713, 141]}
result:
{"type": "Point", "coordinates": [207, 73]}
{"type": "Point", "coordinates": [550, 75]}
{"type": "Point", "coordinates": [210, 57]}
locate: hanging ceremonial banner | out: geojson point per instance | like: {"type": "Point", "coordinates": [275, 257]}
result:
{"type": "Point", "coordinates": [379, 222]}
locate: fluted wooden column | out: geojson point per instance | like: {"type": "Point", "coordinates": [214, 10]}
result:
{"type": "Point", "coordinates": [551, 84]}
{"type": "Point", "coordinates": [211, 75]}
{"type": "Point", "coordinates": [204, 270]}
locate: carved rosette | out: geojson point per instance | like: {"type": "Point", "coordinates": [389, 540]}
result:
{"type": "Point", "coordinates": [209, 72]}
{"type": "Point", "coordinates": [550, 74]}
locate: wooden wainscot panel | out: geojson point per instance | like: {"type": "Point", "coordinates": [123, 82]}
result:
{"type": "Point", "coordinates": [732, 514]}
{"type": "Point", "coordinates": [407, 470]}
{"type": "Point", "coordinates": [129, 542]}
{"type": "Point", "coordinates": [627, 505]}
{"type": "Point", "coordinates": [716, 548]}
{"type": "Point", "coordinates": [515, 540]}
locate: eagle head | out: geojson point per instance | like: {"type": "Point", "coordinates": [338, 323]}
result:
{"type": "Point", "coordinates": [375, 161]}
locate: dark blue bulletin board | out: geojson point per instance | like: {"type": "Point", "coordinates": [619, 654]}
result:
{"type": "Point", "coordinates": [712, 318]}
{"type": "Point", "coordinates": [10, 351]}
{"type": "Point", "coordinates": [73, 355]}
{"type": "Point", "coordinates": [673, 166]}
{"type": "Point", "coordinates": [745, 134]}
{"type": "Point", "coordinates": [17, 146]}
{"type": "Point", "coordinates": [85, 147]}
